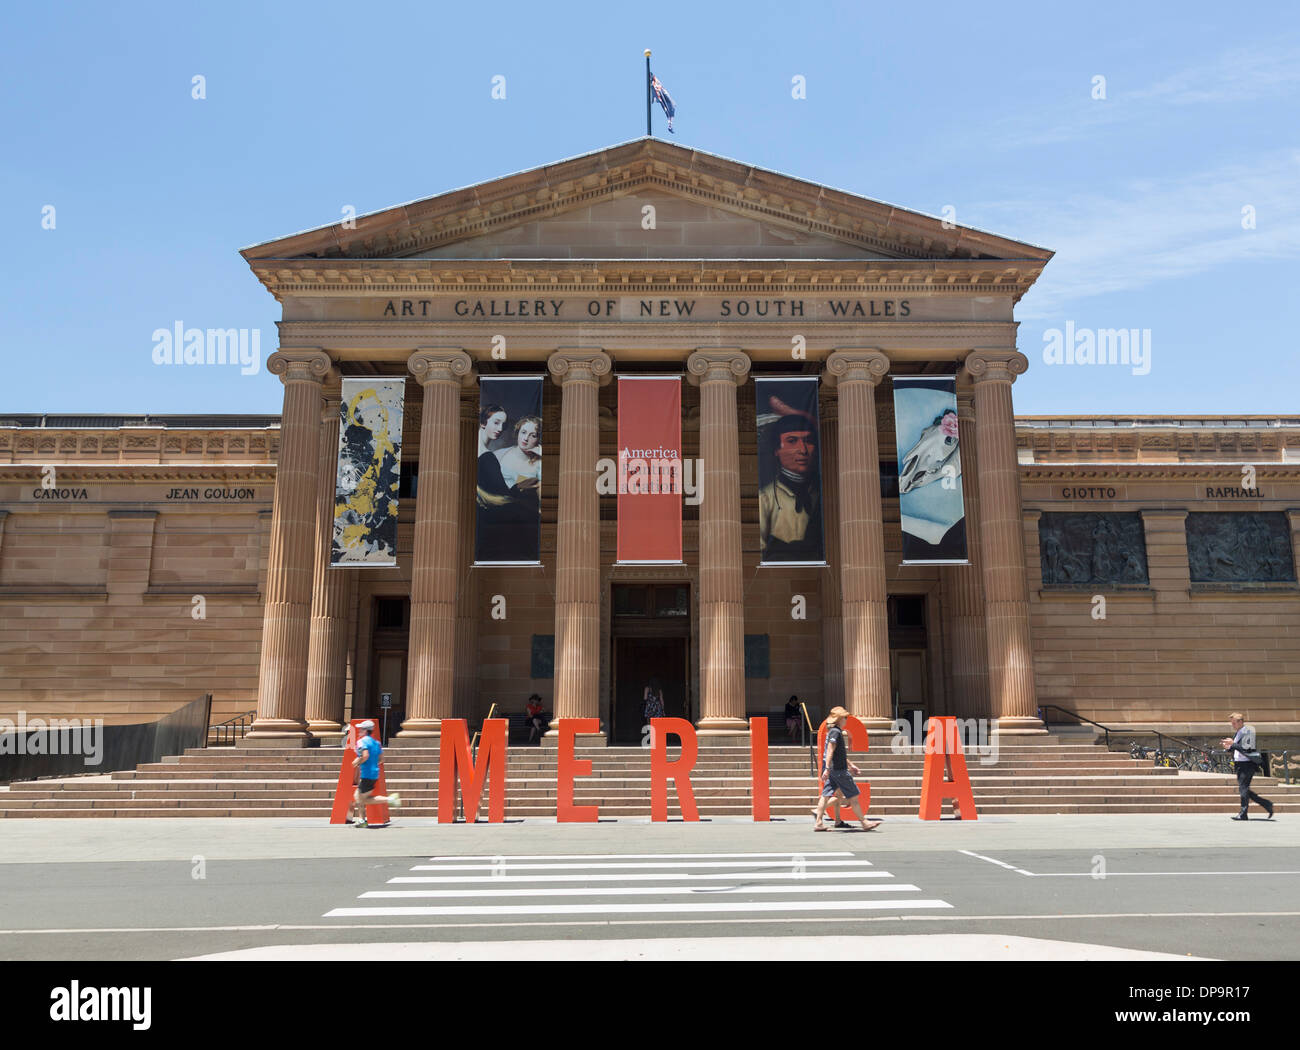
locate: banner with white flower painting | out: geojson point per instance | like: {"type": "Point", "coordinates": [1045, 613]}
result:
{"type": "Point", "coordinates": [930, 500]}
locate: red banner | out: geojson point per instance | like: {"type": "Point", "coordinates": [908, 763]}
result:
{"type": "Point", "coordinates": [650, 469]}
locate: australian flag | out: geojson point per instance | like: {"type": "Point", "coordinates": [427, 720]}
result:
{"type": "Point", "coordinates": [664, 99]}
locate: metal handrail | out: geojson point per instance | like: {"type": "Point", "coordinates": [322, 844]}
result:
{"type": "Point", "coordinates": [473, 743]}
{"type": "Point", "coordinates": [231, 729]}
{"type": "Point", "coordinates": [1074, 714]}
{"type": "Point", "coordinates": [807, 730]}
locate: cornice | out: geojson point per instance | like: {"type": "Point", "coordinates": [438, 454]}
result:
{"type": "Point", "coordinates": [389, 277]}
{"type": "Point", "coordinates": [1173, 472]}
{"type": "Point", "coordinates": [143, 472]}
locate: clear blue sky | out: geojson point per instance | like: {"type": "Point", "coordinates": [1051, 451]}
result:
{"type": "Point", "coordinates": [314, 106]}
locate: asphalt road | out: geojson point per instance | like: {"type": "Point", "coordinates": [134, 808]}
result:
{"type": "Point", "coordinates": [1060, 888]}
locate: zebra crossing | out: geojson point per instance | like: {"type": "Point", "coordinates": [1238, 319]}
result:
{"type": "Point", "coordinates": [606, 886]}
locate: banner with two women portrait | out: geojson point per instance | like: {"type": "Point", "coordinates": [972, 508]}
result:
{"type": "Point", "coordinates": [508, 520]}
{"type": "Point", "coordinates": [930, 500]}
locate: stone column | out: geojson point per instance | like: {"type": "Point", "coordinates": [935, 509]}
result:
{"type": "Point", "coordinates": [286, 618]}
{"type": "Point", "coordinates": [856, 374]}
{"type": "Point", "coordinates": [579, 374]}
{"type": "Point", "coordinates": [435, 575]}
{"type": "Point", "coordinates": [465, 690]}
{"type": "Point", "coordinates": [1006, 600]}
{"type": "Point", "coordinates": [722, 587]}
{"type": "Point", "coordinates": [832, 610]}
{"type": "Point", "coordinates": [963, 585]}
{"type": "Point", "coordinates": [327, 649]}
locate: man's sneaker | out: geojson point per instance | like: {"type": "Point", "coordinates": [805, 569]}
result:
{"type": "Point", "coordinates": [359, 824]}
{"type": "Point", "coordinates": [395, 800]}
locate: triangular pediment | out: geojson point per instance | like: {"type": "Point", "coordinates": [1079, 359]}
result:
{"type": "Point", "coordinates": [652, 224]}
{"type": "Point", "coordinates": [595, 207]}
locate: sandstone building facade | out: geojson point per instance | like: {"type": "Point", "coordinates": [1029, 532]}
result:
{"type": "Point", "coordinates": [1132, 570]}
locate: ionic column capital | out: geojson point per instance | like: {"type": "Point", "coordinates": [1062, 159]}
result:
{"type": "Point", "coordinates": [580, 366]}
{"type": "Point", "coordinates": [846, 365]}
{"type": "Point", "coordinates": [965, 405]}
{"type": "Point", "coordinates": [299, 366]}
{"type": "Point", "coordinates": [330, 401]}
{"type": "Point", "coordinates": [995, 366]}
{"type": "Point", "coordinates": [441, 365]}
{"type": "Point", "coordinates": [712, 366]}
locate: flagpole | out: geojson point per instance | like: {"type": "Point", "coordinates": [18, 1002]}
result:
{"type": "Point", "coordinates": [648, 131]}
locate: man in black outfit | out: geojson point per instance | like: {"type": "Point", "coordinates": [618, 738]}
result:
{"type": "Point", "coordinates": [1246, 761]}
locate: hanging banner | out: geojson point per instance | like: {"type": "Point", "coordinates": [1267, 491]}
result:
{"type": "Point", "coordinates": [789, 472]}
{"type": "Point", "coordinates": [368, 472]}
{"type": "Point", "coordinates": [650, 479]}
{"type": "Point", "coordinates": [508, 521]}
{"type": "Point", "coordinates": [929, 470]}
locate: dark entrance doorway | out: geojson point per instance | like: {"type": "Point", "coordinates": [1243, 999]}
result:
{"type": "Point", "coordinates": [389, 645]}
{"type": "Point", "coordinates": [907, 661]}
{"type": "Point", "coordinates": [636, 662]}
{"type": "Point", "coordinates": [650, 631]}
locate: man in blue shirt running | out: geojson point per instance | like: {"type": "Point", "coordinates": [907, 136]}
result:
{"type": "Point", "coordinates": [368, 752]}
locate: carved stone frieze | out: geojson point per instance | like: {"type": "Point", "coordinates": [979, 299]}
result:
{"type": "Point", "coordinates": [1241, 547]}
{"type": "Point", "coordinates": [1088, 549]}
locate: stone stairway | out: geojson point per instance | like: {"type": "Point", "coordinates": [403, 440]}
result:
{"type": "Point", "coordinates": [1046, 775]}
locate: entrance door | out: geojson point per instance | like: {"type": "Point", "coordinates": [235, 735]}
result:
{"type": "Point", "coordinates": [388, 647]}
{"type": "Point", "coordinates": [390, 680]}
{"type": "Point", "coordinates": [636, 662]}
{"type": "Point", "coordinates": [908, 681]}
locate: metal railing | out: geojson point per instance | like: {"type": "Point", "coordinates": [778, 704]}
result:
{"type": "Point", "coordinates": [1287, 771]}
{"type": "Point", "coordinates": [230, 730]}
{"type": "Point", "coordinates": [473, 743]}
{"type": "Point", "coordinates": [809, 738]}
{"type": "Point", "coordinates": [1073, 714]}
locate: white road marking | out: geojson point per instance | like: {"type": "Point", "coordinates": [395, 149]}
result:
{"type": "Point", "coordinates": [900, 947]}
{"type": "Point", "coordinates": [642, 891]}
{"type": "Point", "coordinates": [1036, 918]}
{"type": "Point", "coordinates": [999, 863]}
{"type": "Point", "coordinates": [726, 876]}
{"type": "Point", "coordinates": [1111, 874]}
{"type": "Point", "coordinates": [506, 862]}
{"type": "Point", "coordinates": [644, 908]}
{"type": "Point", "coordinates": [635, 856]}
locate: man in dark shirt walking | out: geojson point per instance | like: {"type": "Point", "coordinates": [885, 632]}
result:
{"type": "Point", "coordinates": [1246, 761]}
{"type": "Point", "coordinates": [839, 772]}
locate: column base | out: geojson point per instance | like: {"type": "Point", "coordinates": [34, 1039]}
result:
{"type": "Point", "coordinates": [552, 739]}
{"type": "Point", "coordinates": [722, 732]}
{"type": "Point", "coordinates": [276, 732]}
{"type": "Point", "coordinates": [423, 732]}
{"type": "Point", "coordinates": [1019, 726]}
{"type": "Point", "coordinates": [325, 729]}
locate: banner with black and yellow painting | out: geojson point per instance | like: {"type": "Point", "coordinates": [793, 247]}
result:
{"type": "Point", "coordinates": [368, 472]}
{"type": "Point", "coordinates": [930, 500]}
{"type": "Point", "coordinates": [508, 520]}
{"type": "Point", "coordinates": [789, 472]}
